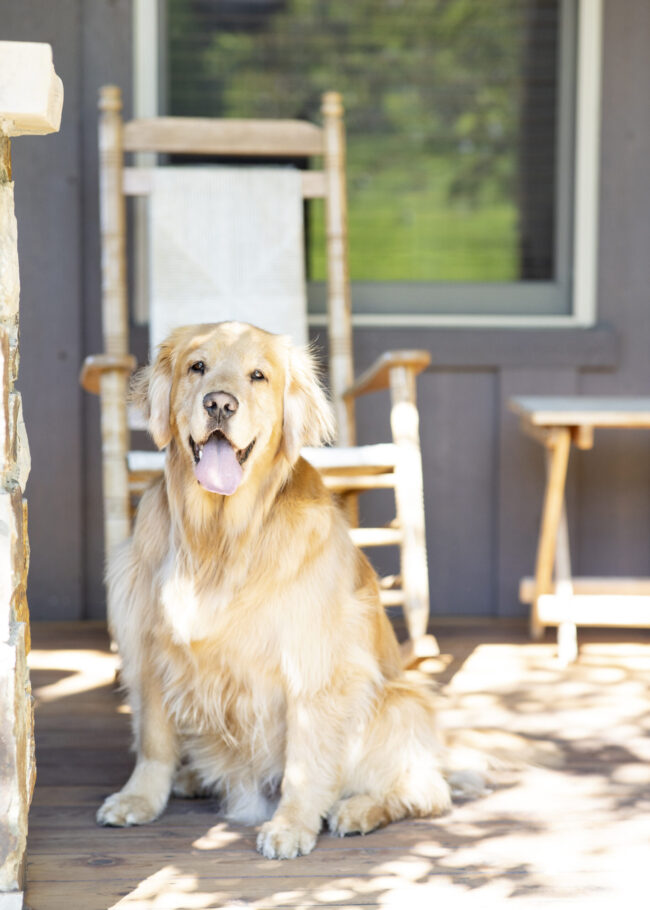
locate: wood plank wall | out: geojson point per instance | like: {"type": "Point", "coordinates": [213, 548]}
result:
{"type": "Point", "coordinates": [483, 480]}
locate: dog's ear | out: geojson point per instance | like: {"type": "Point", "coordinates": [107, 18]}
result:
{"type": "Point", "coordinates": [150, 392]}
{"type": "Point", "coordinates": [308, 417]}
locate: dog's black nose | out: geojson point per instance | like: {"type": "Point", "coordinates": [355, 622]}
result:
{"type": "Point", "coordinates": [221, 405]}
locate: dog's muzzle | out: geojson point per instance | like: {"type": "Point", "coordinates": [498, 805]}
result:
{"type": "Point", "coordinates": [218, 464]}
{"type": "Point", "coordinates": [220, 406]}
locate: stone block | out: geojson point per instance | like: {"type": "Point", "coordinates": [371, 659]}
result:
{"type": "Point", "coordinates": [17, 766]}
{"type": "Point", "coordinates": [31, 99]}
{"type": "Point", "coordinates": [20, 606]}
{"type": "Point", "coordinates": [13, 408]}
{"type": "Point", "coordinates": [5, 409]}
{"type": "Point", "coordinates": [26, 549]}
{"type": "Point", "coordinates": [14, 354]}
{"type": "Point", "coordinates": [9, 277]}
{"type": "Point", "coordinates": [21, 458]}
{"type": "Point", "coordinates": [31, 94]}
{"type": "Point", "coordinates": [12, 557]}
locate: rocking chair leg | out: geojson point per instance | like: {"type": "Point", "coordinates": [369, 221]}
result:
{"type": "Point", "coordinates": [115, 323]}
{"type": "Point", "coordinates": [117, 519]}
{"type": "Point", "coordinates": [410, 512]}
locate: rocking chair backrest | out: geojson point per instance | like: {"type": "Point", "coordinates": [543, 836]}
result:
{"type": "Point", "coordinates": [226, 243]}
{"type": "Point", "coordinates": [232, 139]}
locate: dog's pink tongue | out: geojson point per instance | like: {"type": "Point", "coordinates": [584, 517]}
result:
{"type": "Point", "coordinates": [218, 470]}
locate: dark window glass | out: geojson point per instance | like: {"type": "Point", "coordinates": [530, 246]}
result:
{"type": "Point", "coordinates": [451, 118]}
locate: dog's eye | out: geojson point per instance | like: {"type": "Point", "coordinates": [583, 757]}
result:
{"type": "Point", "coordinates": [257, 376]}
{"type": "Point", "coordinates": [198, 367]}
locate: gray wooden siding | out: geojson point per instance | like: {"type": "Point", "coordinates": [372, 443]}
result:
{"type": "Point", "coordinates": [56, 208]}
{"type": "Point", "coordinates": [483, 480]}
{"type": "Point", "coordinates": [614, 516]}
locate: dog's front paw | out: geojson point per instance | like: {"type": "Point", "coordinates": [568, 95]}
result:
{"type": "Point", "coordinates": [281, 840]}
{"type": "Point", "coordinates": [357, 815]}
{"type": "Point", "coordinates": [123, 809]}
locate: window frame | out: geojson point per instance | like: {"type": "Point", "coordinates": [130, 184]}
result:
{"type": "Point", "coordinates": [577, 230]}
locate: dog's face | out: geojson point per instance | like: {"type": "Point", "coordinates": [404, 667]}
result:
{"type": "Point", "coordinates": [232, 395]}
{"type": "Point", "coordinates": [226, 399]}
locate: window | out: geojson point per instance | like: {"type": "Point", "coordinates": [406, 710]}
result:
{"type": "Point", "coordinates": [461, 143]}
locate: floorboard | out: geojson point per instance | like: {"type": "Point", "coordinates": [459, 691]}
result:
{"type": "Point", "coordinates": [567, 822]}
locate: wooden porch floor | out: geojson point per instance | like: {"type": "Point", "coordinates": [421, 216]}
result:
{"type": "Point", "coordinates": [573, 831]}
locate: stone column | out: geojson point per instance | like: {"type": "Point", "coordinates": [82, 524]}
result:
{"type": "Point", "coordinates": [31, 98]}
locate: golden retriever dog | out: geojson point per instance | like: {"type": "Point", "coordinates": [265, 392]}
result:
{"type": "Point", "coordinates": [258, 660]}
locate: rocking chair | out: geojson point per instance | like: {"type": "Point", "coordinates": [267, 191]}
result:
{"type": "Point", "coordinates": [347, 469]}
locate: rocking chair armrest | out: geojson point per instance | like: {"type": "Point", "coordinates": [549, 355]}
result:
{"type": "Point", "coordinates": [96, 364]}
{"type": "Point", "coordinates": [377, 376]}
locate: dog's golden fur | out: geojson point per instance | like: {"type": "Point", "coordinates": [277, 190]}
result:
{"type": "Point", "coordinates": [258, 660]}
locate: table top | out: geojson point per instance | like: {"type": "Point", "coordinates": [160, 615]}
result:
{"type": "Point", "coordinates": [582, 410]}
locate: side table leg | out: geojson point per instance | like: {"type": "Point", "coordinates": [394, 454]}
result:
{"type": "Point", "coordinates": [567, 637]}
{"type": "Point", "coordinates": [559, 445]}
{"type": "Point", "coordinates": [567, 643]}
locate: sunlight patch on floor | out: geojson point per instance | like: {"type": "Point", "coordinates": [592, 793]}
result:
{"type": "Point", "coordinates": [218, 836]}
{"type": "Point", "coordinates": [169, 889]}
{"type": "Point", "coordinates": [85, 670]}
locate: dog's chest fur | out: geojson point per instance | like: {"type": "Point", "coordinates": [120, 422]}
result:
{"type": "Point", "coordinates": [220, 674]}
{"type": "Point", "coordinates": [203, 695]}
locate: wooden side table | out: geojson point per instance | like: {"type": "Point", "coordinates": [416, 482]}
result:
{"type": "Point", "coordinates": [556, 598]}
